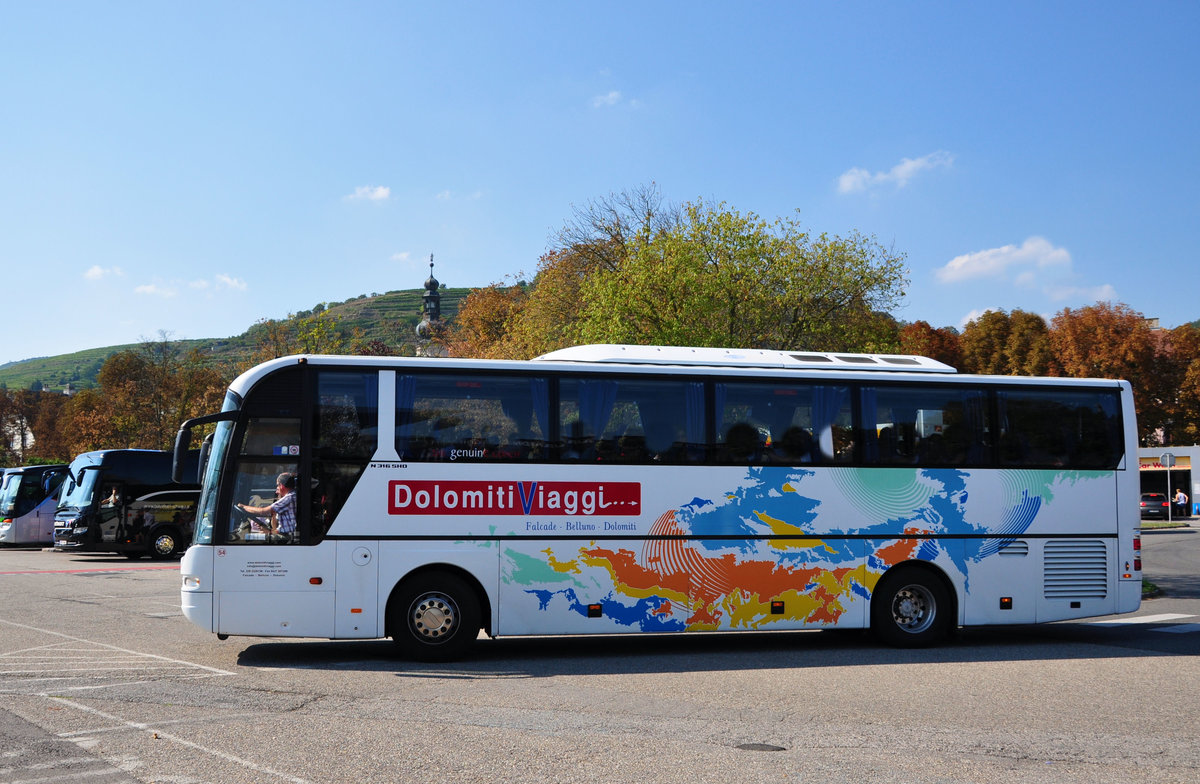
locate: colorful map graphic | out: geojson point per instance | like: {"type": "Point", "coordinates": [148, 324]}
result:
{"type": "Point", "coordinates": [769, 552]}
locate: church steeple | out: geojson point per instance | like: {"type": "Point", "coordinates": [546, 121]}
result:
{"type": "Point", "coordinates": [431, 305]}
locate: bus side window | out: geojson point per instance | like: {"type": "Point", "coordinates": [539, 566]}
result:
{"type": "Point", "coordinates": [925, 425]}
{"type": "Point", "coordinates": [345, 434]}
{"type": "Point", "coordinates": [471, 418]}
{"type": "Point", "coordinates": [631, 420]}
{"type": "Point", "coordinates": [1052, 428]}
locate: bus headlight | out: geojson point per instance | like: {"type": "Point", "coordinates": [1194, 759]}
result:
{"type": "Point", "coordinates": [191, 582]}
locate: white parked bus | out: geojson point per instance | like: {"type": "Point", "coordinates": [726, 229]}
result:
{"type": "Point", "coordinates": [28, 496]}
{"type": "Point", "coordinates": [609, 489]}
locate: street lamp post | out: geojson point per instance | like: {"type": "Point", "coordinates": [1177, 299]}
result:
{"type": "Point", "coordinates": [1168, 462]}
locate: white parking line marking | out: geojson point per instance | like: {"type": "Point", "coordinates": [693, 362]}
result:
{"type": "Point", "coordinates": [108, 647]}
{"type": "Point", "coordinates": [1179, 628]}
{"type": "Point", "coordinates": [1161, 618]}
{"type": "Point", "coordinates": [142, 727]}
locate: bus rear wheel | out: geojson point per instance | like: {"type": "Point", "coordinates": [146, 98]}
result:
{"type": "Point", "coordinates": [434, 618]}
{"type": "Point", "coordinates": [910, 608]}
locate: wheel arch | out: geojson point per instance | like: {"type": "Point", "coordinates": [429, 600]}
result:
{"type": "Point", "coordinates": [481, 595]}
{"type": "Point", "coordinates": [929, 568]}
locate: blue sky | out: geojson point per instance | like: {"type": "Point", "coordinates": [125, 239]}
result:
{"type": "Point", "coordinates": [194, 168]}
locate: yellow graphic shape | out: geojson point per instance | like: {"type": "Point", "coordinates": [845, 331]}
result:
{"type": "Point", "coordinates": [562, 567]}
{"type": "Point", "coordinates": [782, 528]}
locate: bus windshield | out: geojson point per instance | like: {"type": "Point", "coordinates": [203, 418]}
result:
{"type": "Point", "coordinates": [8, 494]}
{"type": "Point", "coordinates": [210, 484]}
{"type": "Point", "coordinates": [79, 489]}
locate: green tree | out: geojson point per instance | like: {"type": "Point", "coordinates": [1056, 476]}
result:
{"type": "Point", "coordinates": [1003, 344]}
{"type": "Point", "coordinates": [721, 278]}
{"type": "Point", "coordinates": [1028, 351]}
{"type": "Point", "coordinates": [320, 334]}
{"type": "Point", "coordinates": [983, 343]}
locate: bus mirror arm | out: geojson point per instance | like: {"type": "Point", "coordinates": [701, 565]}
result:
{"type": "Point", "coordinates": [183, 441]}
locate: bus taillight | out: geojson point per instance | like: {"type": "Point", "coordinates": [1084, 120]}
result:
{"type": "Point", "coordinates": [1137, 553]}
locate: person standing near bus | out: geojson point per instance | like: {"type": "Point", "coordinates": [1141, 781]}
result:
{"type": "Point", "coordinates": [283, 511]}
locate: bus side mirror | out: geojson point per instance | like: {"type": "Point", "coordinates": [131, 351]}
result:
{"type": "Point", "coordinates": [183, 440]}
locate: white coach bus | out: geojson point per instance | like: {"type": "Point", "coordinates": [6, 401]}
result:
{"type": "Point", "coordinates": [615, 489]}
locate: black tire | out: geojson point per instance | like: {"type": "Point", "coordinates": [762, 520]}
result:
{"type": "Point", "coordinates": [165, 544]}
{"type": "Point", "coordinates": [434, 617]}
{"type": "Point", "coordinates": [911, 608]}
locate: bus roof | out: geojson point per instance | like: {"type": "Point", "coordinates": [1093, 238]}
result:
{"type": "Point", "coordinates": [744, 357]}
{"type": "Point", "coordinates": [34, 469]}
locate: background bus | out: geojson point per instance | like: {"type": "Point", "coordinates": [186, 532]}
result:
{"type": "Point", "coordinates": [644, 489]}
{"type": "Point", "coordinates": [124, 501]}
{"type": "Point", "coordinates": [27, 503]}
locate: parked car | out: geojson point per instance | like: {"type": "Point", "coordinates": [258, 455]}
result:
{"type": "Point", "coordinates": [1154, 505]}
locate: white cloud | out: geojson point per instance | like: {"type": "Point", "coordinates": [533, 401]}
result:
{"type": "Point", "coordinates": [370, 193]}
{"type": "Point", "coordinates": [611, 98]}
{"type": "Point", "coordinates": [96, 272]}
{"type": "Point", "coordinates": [198, 284]}
{"type": "Point", "coordinates": [155, 290]}
{"type": "Point", "coordinates": [444, 196]}
{"type": "Point", "coordinates": [856, 179]}
{"type": "Point", "coordinates": [1102, 293]}
{"type": "Point", "coordinates": [402, 256]}
{"type": "Point", "coordinates": [996, 262]}
{"type": "Point", "coordinates": [228, 282]}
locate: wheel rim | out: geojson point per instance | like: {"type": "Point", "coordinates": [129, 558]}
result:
{"type": "Point", "coordinates": [433, 618]}
{"type": "Point", "coordinates": [914, 608]}
{"type": "Point", "coordinates": [164, 544]}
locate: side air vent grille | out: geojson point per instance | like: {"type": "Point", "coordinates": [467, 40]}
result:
{"type": "Point", "coordinates": [1019, 548]}
{"type": "Point", "coordinates": [1075, 569]}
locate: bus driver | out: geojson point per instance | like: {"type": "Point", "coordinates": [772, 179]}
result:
{"type": "Point", "coordinates": [283, 511]}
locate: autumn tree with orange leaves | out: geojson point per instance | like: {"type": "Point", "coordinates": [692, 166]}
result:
{"type": "Point", "coordinates": [143, 396]}
{"type": "Point", "coordinates": [942, 344]}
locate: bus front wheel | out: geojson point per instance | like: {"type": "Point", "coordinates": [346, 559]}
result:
{"type": "Point", "coordinates": [164, 545]}
{"type": "Point", "coordinates": [910, 608]}
{"type": "Point", "coordinates": [434, 617]}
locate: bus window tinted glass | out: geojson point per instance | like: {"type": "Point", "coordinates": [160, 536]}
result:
{"type": "Point", "coordinates": [789, 424]}
{"type": "Point", "coordinates": [631, 420]}
{"type": "Point", "coordinates": [471, 418]}
{"type": "Point", "coordinates": [1073, 428]}
{"type": "Point", "coordinates": [345, 431]}
{"type": "Point", "coordinates": [931, 426]}
{"type": "Point", "coordinates": [347, 415]}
